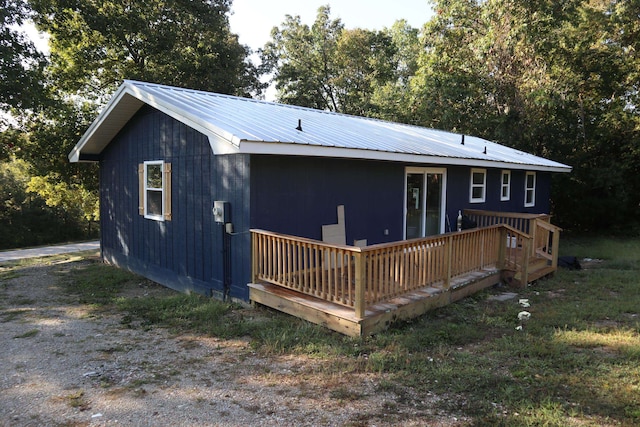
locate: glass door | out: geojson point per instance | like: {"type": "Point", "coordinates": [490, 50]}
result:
{"type": "Point", "coordinates": [415, 205]}
{"type": "Point", "coordinates": [424, 207]}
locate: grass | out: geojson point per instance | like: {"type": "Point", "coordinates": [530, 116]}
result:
{"type": "Point", "coordinates": [96, 284]}
{"type": "Point", "coordinates": [576, 361]}
{"type": "Point", "coordinates": [30, 333]}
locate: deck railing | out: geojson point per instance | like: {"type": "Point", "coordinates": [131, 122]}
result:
{"type": "Point", "coordinates": [546, 241]}
{"type": "Point", "coordinates": [519, 221]}
{"type": "Point", "coordinates": [314, 268]}
{"type": "Point", "coordinates": [358, 277]}
{"type": "Point", "coordinates": [393, 269]}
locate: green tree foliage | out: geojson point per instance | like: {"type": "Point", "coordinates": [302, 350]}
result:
{"type": "Point", "coordinates": [328, 67]}
{"type": "Point", "coordinates": [558, 79]}
{"type": "Point", "coordinates": [50, 134]}
{"type": "Point", "coordinates": [392, 97]}
{"type": "Point", "coordinates": [20, 63]}
{"type": "Point", "coordinates": [185, 43]}
{"type": "Point", "coordinates": [26, 220]}
{"type": "Point", "coordinates": [74, 199]}
{"type": "Point", "coordinates": [94, 45]}
{"type": "Point", "coordinates": [301, 60]}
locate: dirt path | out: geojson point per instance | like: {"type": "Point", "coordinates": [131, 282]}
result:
{"type": "Point", "coordinates": [65, 364]}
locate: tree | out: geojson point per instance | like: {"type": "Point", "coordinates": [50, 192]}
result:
{"type": "Point", "coordinates": [185, 43]}
{"type": "Point", "coordinates": [365, 61]}
{"type": "Point", "coordinates": [558, 79]}
{"type": "Point", "coordinates": [302, 61]}
{"type": "Point", "coordinates": [25, 219]}
{"type": "Point", "coordinates": [393, 97]}
{"type": "Point", "coordinates": [20, 63]}
{"type": "Point", "coordinates": [328, 67]}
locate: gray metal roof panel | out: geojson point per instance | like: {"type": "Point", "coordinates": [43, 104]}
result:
{"type": "Point", "coordinates": [236, 119]}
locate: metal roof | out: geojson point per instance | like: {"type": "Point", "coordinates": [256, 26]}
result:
{"type": "Point", "coordinates": [243, 125]}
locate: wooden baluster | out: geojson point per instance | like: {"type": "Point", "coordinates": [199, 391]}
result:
{"type": "Point", "coordinates": [448, 260]}
{"type": "Point", "coordinates": [359, 303]}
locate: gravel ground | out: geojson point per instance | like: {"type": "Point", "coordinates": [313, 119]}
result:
{"type": "Point", "coordinates": [66, 364]}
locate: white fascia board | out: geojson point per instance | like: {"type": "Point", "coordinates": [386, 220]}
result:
{"type": "Point", "coordinates": [221, 142]}
{"type": "Point", "coordinates": [289, 149]}
{"type": "Point", "coordinates": [74, 155]}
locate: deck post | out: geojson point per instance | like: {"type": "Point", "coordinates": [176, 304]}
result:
{"type": "Point", "coordinates": [533, 232]}
{"type": "Point", "coordinates": [448, 261]}
{"type": "Point", "coordinates": [502, 248]}
{"type": "Point", "coordinates": [254, 257]}
{"type": "Point", "coordinates": [555, 247]}
{"type": "Point", "coordinates": [359, 303]}
{"type": "Point", "coordinates": [525, 262]}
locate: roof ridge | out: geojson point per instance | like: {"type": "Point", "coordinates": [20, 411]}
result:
{"type": "Point", "coordinates": [283, 105]}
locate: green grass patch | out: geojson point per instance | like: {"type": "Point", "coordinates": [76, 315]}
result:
{"type": "Point", "coordinates": [29, 334]}
{"type": "Point", "coordinates": [96, 283]}
{"type": "Point", "coordinates": [47, 260]}
{"type": "Point", "coordinates": [186, 312]}
{"type": "Point", "coordinates": [11, 315]}
{"type": "Point", "coordinates": [8, 274]}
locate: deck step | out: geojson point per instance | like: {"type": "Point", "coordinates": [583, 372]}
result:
{"type": "Point", "coordinates": [538, 268]}
{"type": "Point", "coordinates": [541, 272]}
{"type": "Point", "coordinates": [315, 310]}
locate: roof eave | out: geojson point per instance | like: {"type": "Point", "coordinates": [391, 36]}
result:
{"type": "Point", "coordinates": [126, 101]}
{"type": "Point", "coordinates": [90, 136]}
{"type": "Point", "coordinates": [279, 148]}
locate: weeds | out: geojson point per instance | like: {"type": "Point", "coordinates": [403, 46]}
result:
{"type": "Point", "coordinates": [11, 315]}
{"type": "Point", "coordinates": [30, 333]}
{"type": "Point", "coordinates": [96, 284]}
{"type": "Point", "coordinates": [77, 400]}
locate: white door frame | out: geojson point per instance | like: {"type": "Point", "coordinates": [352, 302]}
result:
{"type": "Point", "coordinates": [443, 202]}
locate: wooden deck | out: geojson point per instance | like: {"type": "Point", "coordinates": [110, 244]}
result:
{"type": "Point", "coordinates": [378, 316]}
{"type": "Point", "coordinates": [360, 291]}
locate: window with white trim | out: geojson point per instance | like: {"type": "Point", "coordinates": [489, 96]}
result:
{"type": "Point", "coordinates": [505, 186]}
{"type": "Point", "coordinates": [478, 185]}
{"type": "Point", "coordinates": [530, 189]}
{"type": "Point", "coordinates": [155, 190]}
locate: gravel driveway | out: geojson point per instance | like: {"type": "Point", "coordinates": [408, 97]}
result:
{"type": "Point", "coordinates": [67, 364]}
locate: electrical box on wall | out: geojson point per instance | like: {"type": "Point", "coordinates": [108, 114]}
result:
{"type": "Point", "coordinates": [220, 211]}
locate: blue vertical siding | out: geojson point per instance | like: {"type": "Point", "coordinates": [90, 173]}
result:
{"type": "Point", "coordinates": [184, 253]}
{"type": "Point", "coordinates": [297, 195]}
{"type": "Point", "coordinates": [458, 188]}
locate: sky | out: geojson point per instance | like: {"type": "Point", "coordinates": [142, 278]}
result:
{"type": "Point", "coordinates": [253, 20]}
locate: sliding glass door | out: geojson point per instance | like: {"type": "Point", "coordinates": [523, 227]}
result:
{"type": "Point", "coordinates": [424, 202]}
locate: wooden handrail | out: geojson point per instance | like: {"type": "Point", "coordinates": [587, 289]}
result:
{"type": "Point", "coordinates": [304, 239]}
{"type": "Point", "coordinates": [521, 221]}
{"type": "Point", "coordinates": [480, 212]}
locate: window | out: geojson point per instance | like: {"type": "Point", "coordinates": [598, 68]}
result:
{"type": "Point", "coordinates": [530, 189]}
{"type": "Point", "coordinates": [155, 190]}
{"type": "Point", "coordinates": [478, 185]}
{"type": "Point", "coordinates": [505, 186]}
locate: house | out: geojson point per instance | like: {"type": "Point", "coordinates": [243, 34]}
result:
{"type": "Point", "coordinates": [185, 175]}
